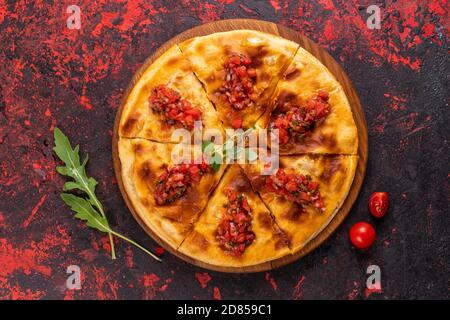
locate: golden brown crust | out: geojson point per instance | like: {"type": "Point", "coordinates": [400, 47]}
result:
{"type": "Point", "coordinates": [270, 243]}
{"type": "Point", "coordinates": [305, 76]}
{"type": "Point", "coordinates": [270, 55]}
{"type": "Point", "coordinates": [142, 163]}
{"type": "Point", "coordinates": [173, 70]}
{"type": "Point", "coordinates": [335, 175]}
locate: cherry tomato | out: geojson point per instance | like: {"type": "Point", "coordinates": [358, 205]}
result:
{"type": "Point", "coordinates": [362, 235]}
{"type": "Point", "coordinates": [378, 204]}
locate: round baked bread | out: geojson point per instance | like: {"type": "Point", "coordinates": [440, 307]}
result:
{"type": "Point", "coordinates": [232, 215]}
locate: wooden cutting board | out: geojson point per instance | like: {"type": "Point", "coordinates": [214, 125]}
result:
{"type": "Point", "coordinates": [330, 63]}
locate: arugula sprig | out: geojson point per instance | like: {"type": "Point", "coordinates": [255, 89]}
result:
{"type": "Point", "coordinates": [218, 152]}
{"type": "Point", "coordinates": [89, 208]}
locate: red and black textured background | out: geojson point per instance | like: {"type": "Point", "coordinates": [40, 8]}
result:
{"type": "Point", "coordinates": [74, 79]}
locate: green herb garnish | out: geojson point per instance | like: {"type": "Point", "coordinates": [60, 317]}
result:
{"type": "Point", "coordinates": [86, 208]}
{"type": "Point", "coordinates": [208, 148]}
{"type": "Point", "coordinates": [220, 152]}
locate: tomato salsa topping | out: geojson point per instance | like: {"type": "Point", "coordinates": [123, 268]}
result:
{"type": "Point", "coordinates": [298, 188]}
{"type": "Point", "coordinates": [240, 77]}
{"type": "Point", "coordinates": [234, 232]}
{"type": "Point", "coordinates": [176, 110]}
{"type": "Point", "coordinates": [174, 182]}
{"type": "Point", "coordinates": [298, 122]}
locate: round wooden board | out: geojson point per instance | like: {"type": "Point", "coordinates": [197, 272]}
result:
{"type": "Point", "coordinates": [330, 63]}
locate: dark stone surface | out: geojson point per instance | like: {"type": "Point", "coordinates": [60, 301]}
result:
{"type": "Point", "coordinates": [51, 75]}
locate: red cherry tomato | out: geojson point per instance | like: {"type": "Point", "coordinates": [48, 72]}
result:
{"type": "Point", "coordinates": [362, 235]}
{"type": "Point", "coordinates": [378, 204]}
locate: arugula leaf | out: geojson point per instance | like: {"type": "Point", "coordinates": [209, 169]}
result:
{"type": "Point", "coordinates": [74, 169]}
{"type": "Point", "coordinates": [85, 211]}
{"type": "Point", "coordinates": [228, 147]}
{"type": "Point", "coordinates": [251, 155]}
{"type": "Point", "coordinates": [205, 145]}
{"type": "Point", "coordinates": [208, 148]}
{"type": "Point", "coordinates": [231, 148]}
{"type": "Point", "coordinates": [215, 166]}
{"type": "Point", "coordinates": [89, 210]}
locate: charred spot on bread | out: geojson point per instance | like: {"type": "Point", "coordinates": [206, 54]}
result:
{"type": "Point", "coordinates": [265, 220]}
{"type": "Point", "coordinates": [145, 202]}
{"type": "Point", "coordinates": [240, 183]}
{"type": "Point", "coordinates": [138, 148]}
{"type": "Point", "coordinates": [258, 182]}
{"type": "Point", "coordinates": [264, 77]}
{"type": "Point", "coordinates": [282, 239]}
{"type": "Point", "coordinates": [292, 74]}
{"type": "Point", "coordinates": [283, 98]}
{"type": "Point", "coordinates": [331, 165]}
{"type": "Point", "coordinates": [129, 126]}
{"type": "Point", "coordinates": [199, 241]}
{"type": "Point", "coordinates": [330, 142]}
{"type": "Point", "coordinates": [144, 172]}
{"type": "Point", "coordinates": [295, 213]}
{"type": "Point", "coordinates": [257, 55]}
{"type": "Point", "coordinates": [172, 61]}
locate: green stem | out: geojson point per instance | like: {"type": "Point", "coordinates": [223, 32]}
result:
{"type": "Point", "coordinates": [135, 244]}
{"type": "Point", "coordinates": [100, 208]}
{"type": "Point", "coordinates": [97, 204]}
{"type": "Point", "coordinates": [111, 240]}
{"type": "Point", "coordinates": [113, 250]}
